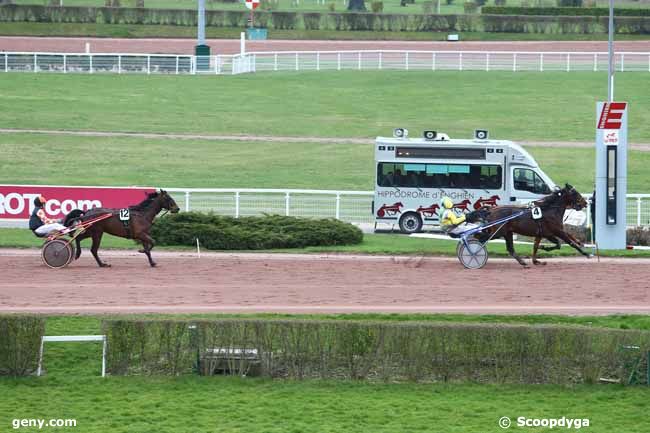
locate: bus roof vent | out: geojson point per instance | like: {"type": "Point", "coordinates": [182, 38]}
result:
{"type": "Point", "coordinates": [442, 137]}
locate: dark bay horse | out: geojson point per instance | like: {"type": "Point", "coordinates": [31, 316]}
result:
{"type": "Point", "coordinates": [550, 226]}
{"type": "Point", "coordinates": [137, 226]}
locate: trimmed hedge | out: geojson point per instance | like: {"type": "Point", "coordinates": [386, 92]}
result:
{"type": "Point", "coordinates": [218, 232]}
{"type": "Point", "coordinates": [563, 11]}
{"type": "Point", "coordinates": [20, 342]}
{"type": "Point", "coordinates": [362, 21]}
{"type": "Point", "coordinates": [382, 351]}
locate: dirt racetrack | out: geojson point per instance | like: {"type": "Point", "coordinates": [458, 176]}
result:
{"type": "Point", "coordinates": [319, 283]}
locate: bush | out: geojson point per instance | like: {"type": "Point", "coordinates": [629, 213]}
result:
{"type": "Point", "coordinates": [331, 7]}
{"type": "Point", "coordinates": [513, 10]}
{"type": "Point", "coordinates": [569, 3]}
{"type": "Point", "coordinates": [470, 7]}
{"type": "Point", "coordinates": [252, 233]}
{"type": "Point", "coordinates": [638, 236]}
{"type": "Point", "coordinates": [427, 7]}
{"type": "Point", "coordinates": [20, 342]}
{"type": "Point", "coordinates": [377, 6]}
{"type": "Point", "coordinates": [379, 351]}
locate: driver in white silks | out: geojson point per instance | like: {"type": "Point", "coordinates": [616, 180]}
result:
{"type": "Point", "coordinates": [39, 223]}
{"type": "Point", "coordinates": [453, 221]}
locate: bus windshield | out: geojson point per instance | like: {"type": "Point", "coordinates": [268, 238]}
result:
{"type": "Point", "coordinates": [467, 176]}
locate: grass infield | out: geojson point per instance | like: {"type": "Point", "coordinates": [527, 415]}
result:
{"type": "Point", "coordinates": [71, 389]}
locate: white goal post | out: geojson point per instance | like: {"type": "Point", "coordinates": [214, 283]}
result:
{"type": "Point", "coordinates": [71, 338]}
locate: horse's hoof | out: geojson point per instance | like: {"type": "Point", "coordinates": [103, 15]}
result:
{"type": "Point", "coordinates": [142, 251]}
{"type": "Point", "coordinates": [104, 265]}
{"type": "Point", "coordinates": [153, 264]}
{"type": "Point", "coordinates": [539, 262]}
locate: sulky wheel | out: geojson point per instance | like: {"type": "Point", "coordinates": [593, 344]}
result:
{"type": "Point", "coordinates": [473, 255]}
{"type": "Point", "coordinates": [57, 253]}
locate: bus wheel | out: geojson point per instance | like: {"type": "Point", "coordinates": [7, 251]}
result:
{"type": "Point", "coordinates": [410, 223]}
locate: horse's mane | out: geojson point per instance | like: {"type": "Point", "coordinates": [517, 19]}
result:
{"type": "Point", "coordinates": [144, 204]}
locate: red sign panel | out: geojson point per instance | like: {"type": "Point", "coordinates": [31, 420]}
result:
{"type": "Point", "coordinates": [611, 116]}
{"type": "Point", "coordinates": [17, 201]}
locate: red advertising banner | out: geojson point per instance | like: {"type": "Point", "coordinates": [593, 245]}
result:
{"type": "Point", "coordinates": [17, 201]}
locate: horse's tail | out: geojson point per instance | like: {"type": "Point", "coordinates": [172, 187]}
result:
{"type": "Point", "coordinates": [72, 217]}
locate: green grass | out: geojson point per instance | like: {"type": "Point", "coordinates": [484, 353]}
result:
{"type": "Point", "coordinates": [119, 161]}
{"type": "Point", "coordinates": [533, 106]}
{"type": "Point", "coordinates": [71, 390]}
{"type": "Point", "coordinates": [381, 244]}
{"type": "Point", "coordinates": [167, 31]}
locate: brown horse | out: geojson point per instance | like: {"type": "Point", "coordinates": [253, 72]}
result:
{"type": "Point", "coordinates": [134, 224]}
{"type": "Point", "coordinates": [549, 226]}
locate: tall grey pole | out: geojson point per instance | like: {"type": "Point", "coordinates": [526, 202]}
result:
{"type": "Point", "coordinates": [610, 75]}
{"type": "Point", "coordinates": [201, 23]}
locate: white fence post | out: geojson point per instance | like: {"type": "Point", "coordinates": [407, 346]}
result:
{"type": "Point", "coordinates": [541, 62]}
{"type": "Point", "coordinates": [297, 62]}
{"type": "Point", "coordinates": [514, 62]}
{"type": "Point", "coordinates": [460, 61]}
{"type": "Point", "coordinates": [433, 61]}
{"type": "Point", "coordinates": [380, 59]}
{"type": "Point", "coordinates": [339, 61]}
{"type": "Point", "coordinates": [7, 62]}
{"type": "Point", "coordinates": [318, 61]}
{"type": "Point", "coordinates": [596, 62]}
{"type": "Point", "coordinates": [35, 63]}
{"type": "Point", "coordinates": [275, 62]}
{"type": "Point", "coordinates": [65, 64]}
{"type": "Point", "coordinates": [177, 60]}
{"type": "Point", "coordinates": [359, 61]}
{"type": "Point", "coordinates": [622, 62]}
{"type": "Point", "coordinates": [187, 201]}
{"type": "Point", "coordinates": [638, 212]}
{"type": "Point", "coordinates": [287, 202]}
{"type": "Point", "coordinates": [119, 64]}
{"type": "Point", "coordinates": [407, 61]}
{"type": "Point", "coordinates": [148, 64]}
{"type": "Point", "coordinates": [568, 62]}
{"type": "Point", "coordinates": [338, 206]}
{"type": "Point", "coordinates": [237, 204]}
{"type": "Point", "coordinates": [487, 62]}
{"type": "Point", "coordinates": [90, 63]}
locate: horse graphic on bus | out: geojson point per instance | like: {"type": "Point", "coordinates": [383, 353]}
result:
{"type": "Point", "coordinates": [429, 211]}
{"type": "Point", "coordinates": [491, 202]}
{"type": "Point", "coordinates": [463, 205]}
{"type": "Point", "coordinates": [390, 210]}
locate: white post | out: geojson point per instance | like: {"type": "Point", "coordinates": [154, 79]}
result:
{"type": "Point", "coordinates": [433, 61]}
{"type": "Point", "coordinates": [407, 61]}
{"type": "Point", "coordinates": [104, 358]}
{"type": "Point", "coordinates": [7, 62]}
{"type": "Point", "coordinates": [568, 62]}
{"type": "Point", "coordinates": [119, 64]}
{"type": "Point", "coordinates": [40, 359]}
{"type": "Point", "coordinates": [380, 59]}
{"type": "Point", "coordinates": [460, 61]}
{"type": "Point", "coordinates": [242, 43]}
{"type": "Point", "coordinates": [541, 62]}
{"type": "Point", "coordinates": [338, 206]}
{"type": "Point", "coordinates": [596, 62]}
{"type": "Point", "coordinates": [359, 61]}
{"type": "Point", "coordinates": [65, 64]}
{"type": "Point", "coordinates": [148, 64]}
{"type": "Point", "coordinates": [90, 60]}
{"type": "Point", "coordinates": [187, 201]}
{"type": "Point", "coordinates": [318, 61]}
{"type": "Point", "coordinates": [297, 62]}
{"type": "Point", "coordinates": [286, 203]}
{"type": "Point", "coordinates": [338, 59]}
{"type": "Point", "coordinates": [275, 62]}
{"type": "Point", "coordinates": [237, 204]}
{"type": "Point", "coordinates": [638, 212]}
{"type": "Point", "coordinates": [487, 62]}
{"type": "Point", "coordinates": [177, 61]}
{"type": "Point", "coordinates": [514, 62]}
{"type": "Point", "coordinates": [35, 63]}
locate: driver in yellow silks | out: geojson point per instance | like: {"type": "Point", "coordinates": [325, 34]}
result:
{"type": "Point", "coordinates": [453, 221]}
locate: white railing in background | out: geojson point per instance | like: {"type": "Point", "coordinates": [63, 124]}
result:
{"type": "Point", "coordinates": [320, 61]}
{"type": "Point", "coordinates": [350, 206]}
